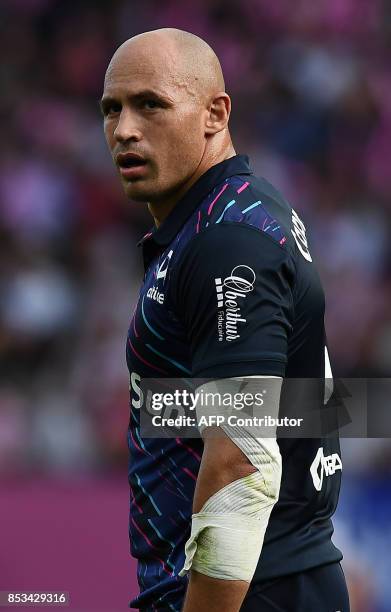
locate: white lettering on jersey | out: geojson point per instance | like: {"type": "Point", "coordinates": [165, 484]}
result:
{"type": "Point", "coordinates": [138, 395]}
{"type": "Point", "coordinates": [324, 466]}
{"type": "Point", "coordinates": [230, 294]}
{"type": "Point", "coordinates": [154, 294]}
{"type": "Point", "coordinates": [134, 386]}
{"type": "Point", "coordinates": [298, 233]}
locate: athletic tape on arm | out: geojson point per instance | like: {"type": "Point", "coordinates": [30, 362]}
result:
{"type": "Point", "coordinates": [227, 534]}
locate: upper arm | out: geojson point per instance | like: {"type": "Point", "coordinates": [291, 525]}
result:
{"type": "Point", "coordinates": [222, 463]}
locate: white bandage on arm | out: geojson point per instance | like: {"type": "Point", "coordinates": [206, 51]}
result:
{"type": "Point", "coordinates": [227, 534]}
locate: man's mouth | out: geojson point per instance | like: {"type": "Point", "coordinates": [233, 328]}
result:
{"type": "Point", "coordinates": [131, 165]}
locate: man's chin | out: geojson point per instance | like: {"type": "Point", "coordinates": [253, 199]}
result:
{"type": "Point", "coordinates": [137, 191]}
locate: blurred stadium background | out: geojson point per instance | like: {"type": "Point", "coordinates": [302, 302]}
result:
{"type": "Point", "coordinates": [311, 88]}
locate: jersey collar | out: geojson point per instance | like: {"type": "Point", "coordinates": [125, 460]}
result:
{"type": "Point", "coordinates": [166, 232]}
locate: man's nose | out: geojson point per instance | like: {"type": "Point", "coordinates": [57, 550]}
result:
{"type": "Point", "coordinates": [126, 128]}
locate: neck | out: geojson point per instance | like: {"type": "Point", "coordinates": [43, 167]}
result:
{"type": "Point", "coordinates": [160, 210]}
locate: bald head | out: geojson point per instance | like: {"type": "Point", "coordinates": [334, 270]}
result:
{"type": "Point", "coordinates": [188, 62]}
{"type": "Point", "coordinates": [164, 101]}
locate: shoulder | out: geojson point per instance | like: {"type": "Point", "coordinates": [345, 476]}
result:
{"type": "Point", "coordinates": [244, 202]}
{"type": "Point", "coordinates": [241, 209]}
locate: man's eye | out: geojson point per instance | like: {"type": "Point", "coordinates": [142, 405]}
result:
{"type": "Point", "coordinates": [150, 104]}
{"type": "Point", "coordinates": [111, 109]}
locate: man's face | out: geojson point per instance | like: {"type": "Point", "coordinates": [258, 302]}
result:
{"type": "Point", "coordinates": [154, 124]}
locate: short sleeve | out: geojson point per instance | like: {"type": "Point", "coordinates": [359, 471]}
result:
{"type": "Point", "coordinates": [234, 294]}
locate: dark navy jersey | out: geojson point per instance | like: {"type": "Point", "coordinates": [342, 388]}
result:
{"type": "Point", "coordinates": [230, 224]}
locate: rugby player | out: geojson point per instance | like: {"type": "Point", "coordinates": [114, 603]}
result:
{"type": "Point", "coordinates": [217, 525]}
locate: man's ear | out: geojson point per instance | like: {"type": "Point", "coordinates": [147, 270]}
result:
{"type": "Point", "coordinates": [219, 111]}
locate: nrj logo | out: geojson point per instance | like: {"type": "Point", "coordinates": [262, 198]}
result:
{"type": "Point", "coordinates": [324, 466]}
{"type": "Point", "coordinates": [230, 295]}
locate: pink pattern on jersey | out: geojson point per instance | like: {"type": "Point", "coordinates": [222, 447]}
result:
{"type": "Point", "coordinates": [150, 544]}
{"type": "Point", "coordinates": [189, 473]}
{"type": "Point", "coordinates": [243, 187]}
{"type": "Point", "coordinates": [196, 455]}
{"type": "Point", "coordinates": [144, 360]}
{"type": "Point", "coordinates": [134, 499]}
{"type": "Point", "coordinates": [198, 222]}
{"type": "Point", "coordinates": [134, 325]}
{"type": "Point", "coordinates": [217, 197]}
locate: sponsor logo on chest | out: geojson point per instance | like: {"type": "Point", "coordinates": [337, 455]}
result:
{"type": "Point", "coordinates": [155, 293]}
{"type": "Point", "coordinates": [231, 293]}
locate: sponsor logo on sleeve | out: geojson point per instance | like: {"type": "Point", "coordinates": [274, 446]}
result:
{"type": "Point", "coordinates": [231, 293]}
{"type": "Point", "coordinates": [299, 234]}
{"type": "Point", "coordinates": [324, 466]}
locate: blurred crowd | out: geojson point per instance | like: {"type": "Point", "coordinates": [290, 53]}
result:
{"type": "Point", "coordinates": [311, 90]}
